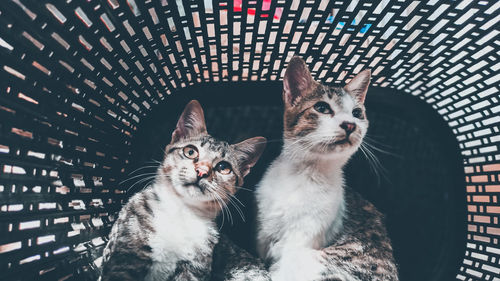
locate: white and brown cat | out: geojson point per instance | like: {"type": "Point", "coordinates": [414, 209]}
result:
{"type": "Point", "coordinates": [310, 225]}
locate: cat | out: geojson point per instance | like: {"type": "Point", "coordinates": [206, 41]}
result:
{"type": "Point", "coordinates": [303, 205]}
{"type": "Point", "coordinates": [167, 231]}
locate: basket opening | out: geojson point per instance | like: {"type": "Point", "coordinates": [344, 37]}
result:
{"type": "Point", "coordinates": [418, 184]}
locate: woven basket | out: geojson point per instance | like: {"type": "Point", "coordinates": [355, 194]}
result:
{"type": "Point", "coordinates": [90, 91]}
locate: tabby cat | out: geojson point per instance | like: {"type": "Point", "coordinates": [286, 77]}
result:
{"type": "Point", "coordinates": [311, 226]}
{"type": "Point", "coordinates": [167, 231]}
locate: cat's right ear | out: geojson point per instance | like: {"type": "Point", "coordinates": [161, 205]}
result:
{"type": "Point", "coordinates": [250, 151]}
{"type": "Point", "coordinates": [191, 122]}
{"type": "Point", "coordinates": [297, 81]}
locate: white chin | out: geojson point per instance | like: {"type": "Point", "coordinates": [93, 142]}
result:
{"type": "Point", "coordinates": [343, 150]}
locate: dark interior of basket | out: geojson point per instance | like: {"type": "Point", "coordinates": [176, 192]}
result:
{"type": "Point", "coordinates": [91, 90]}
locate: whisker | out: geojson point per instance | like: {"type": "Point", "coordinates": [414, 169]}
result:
{"type": "Point", "coordinates": [372, 167]}
{"type": "Point", "coordinates": [222, 211]}
{"type": "Point", "coordinates": [218, 201]}
{"type": "Point", "coordinates": [163, 149]}
{"type": "Point", "coordinates": [215, 210]}
{"type": "Point", "coordinates": [376, 163]}
{"type": "Point", "coordinates": [224, 205]}
{"type": "Point", "coordinates": [371, 145]}
{"type": "Point", "coordinates": [222, 193]}
{"type": "Point", "coordinates": [268, 141]}
{"type": "Point", "coordinates": [238, 209]}
{"type": "Point", "coordinates": [137, 176]}
{"type": "Point", "coordinates": [150, 178]}
{"type": "Point", "coordinates": [153, 161]}
{"type": "Point", "coordinates": [141, 168]}
{"type": "Point", "coordinates": [234, 200]}
{"type": "Point", "coordinates": [226, 208]}
{"type": "Point", "coordinates": [243, 188]}
{"type": "Point", "coordinates": [229, 200]}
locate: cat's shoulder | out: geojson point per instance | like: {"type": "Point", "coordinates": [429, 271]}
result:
{"type": "Point", "coordinates": [141, 203]}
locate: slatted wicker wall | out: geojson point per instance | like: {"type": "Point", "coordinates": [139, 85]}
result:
{"type": "Point", "coordinates": [77, 77]}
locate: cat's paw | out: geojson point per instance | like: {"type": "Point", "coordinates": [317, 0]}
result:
{"type": "Point", "coordinates": [298, 265]}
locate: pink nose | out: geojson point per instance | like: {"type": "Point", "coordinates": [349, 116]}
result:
{"type": "Point", "coordinates": [202, 170]}
{"type": "Point", "coordinates": [348, 127]}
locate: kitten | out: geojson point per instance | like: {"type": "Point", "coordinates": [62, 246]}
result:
{"type": "Point", "coordinates": [167, 231]}
{"type": "Point", "coordinates": [303, 205]}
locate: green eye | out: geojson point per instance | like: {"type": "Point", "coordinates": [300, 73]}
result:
{"type": "Point", "coordinates": [190, 152]}
{"type": "Point", "coordinates": [357, 113]}
{"type": "Point", "coordinates": [323, 107]}
{"type": "Point", "coordinates": [223, 167]}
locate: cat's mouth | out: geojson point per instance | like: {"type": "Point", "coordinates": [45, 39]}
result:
{"type": "Point", "coordinates": [342, 141]}
{"type": "Point", "coordinates": [345, 141]}
{"type": "Point", "coordinates": [334, 145]}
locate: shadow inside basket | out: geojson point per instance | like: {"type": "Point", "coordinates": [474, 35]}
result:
{"type": "Point", "coordinates": [413, 176]}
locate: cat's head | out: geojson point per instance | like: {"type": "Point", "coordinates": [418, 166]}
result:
{"type": "Point", "coordinates": [202, 169]}
{"type": "Point", "coordinates": [320, 120]}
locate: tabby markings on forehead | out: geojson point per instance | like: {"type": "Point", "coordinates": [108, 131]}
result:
{"type": "Point", "coordinates": [339, 95]}
{"type": "Point", "coordinates": [321, 91]}
{"type": "Point", "coordinates": [215, 145]}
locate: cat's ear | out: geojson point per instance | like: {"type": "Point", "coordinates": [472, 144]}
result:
{"type": "Point", "coordinates": [358, 86]}
{"type": "Point", "coordinates": [191, 122]}
{"type": "Point", "coordinates": [250, 151]}
{"type": "Point", "coordinates": [297, 81]}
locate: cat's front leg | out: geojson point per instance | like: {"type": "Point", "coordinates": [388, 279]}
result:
{"type": "Point", "coordinates": [299, 264]}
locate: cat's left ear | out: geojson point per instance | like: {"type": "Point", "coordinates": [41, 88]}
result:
{"type": "Point", "coordinates": [191, 122]}
{"type": "Point", "coordinates": [297, 81]}
{"type": "Point", "coordinates": [250, 151]}
{"type": "Point", "coordinates": [358, 86]}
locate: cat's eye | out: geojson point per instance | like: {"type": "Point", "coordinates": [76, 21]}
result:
{"type": "Point", "coordinates": [323, 107]}
{"type": "Point", "coordinates": [190, 152]}
{"type": "Point", "coordinates": [223, 167]}
{"type": "Point", "coordinates": [357, 113]}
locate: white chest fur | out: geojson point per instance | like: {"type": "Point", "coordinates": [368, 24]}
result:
{"type": "Point", "coordinates": [299, 207]}
{"type": "Point", "coordinates": [180, 235]}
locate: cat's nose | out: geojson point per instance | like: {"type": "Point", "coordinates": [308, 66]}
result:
{"type": "Point", "coordinates": [348, 127]}
{"type": "Point", "coordinates": [203, 170]}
